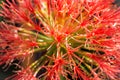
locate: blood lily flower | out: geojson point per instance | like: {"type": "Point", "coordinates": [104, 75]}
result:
{"type": "Point", "coordinates": [73, 39]}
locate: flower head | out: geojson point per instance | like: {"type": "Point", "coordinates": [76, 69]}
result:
{"type": "Point", "coordinates": [80, 38]}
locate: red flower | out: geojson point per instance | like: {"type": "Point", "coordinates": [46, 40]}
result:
{"type": "Point", "coordinates": [81, 38]}
{"type": "Point", "coordinates": [109, 68]}
{"type": "Point", "coordinates": [80, 73]}
{"type": "Point", "coordinates": [25, 74]}
{"type": "Point", "coordinates": [12, 45]}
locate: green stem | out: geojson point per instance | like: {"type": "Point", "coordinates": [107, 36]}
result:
{"type": "Point", "coordinates": [41, 36]}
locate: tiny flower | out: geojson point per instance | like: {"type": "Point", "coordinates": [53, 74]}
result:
{"type": "Point", "coordinates": [12, 45]}
{"type": "Point", "coordinates": [110, 69]}
{"type": "Point", "coordinates": [80, 74]}
{"type": "Point", "coordinates": [24, 74]}
{"type": "Point", "coordinates": [56, 70]}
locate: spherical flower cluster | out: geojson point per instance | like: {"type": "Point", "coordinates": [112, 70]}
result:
{"type": "Point", "coordinates": [73, 39]}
